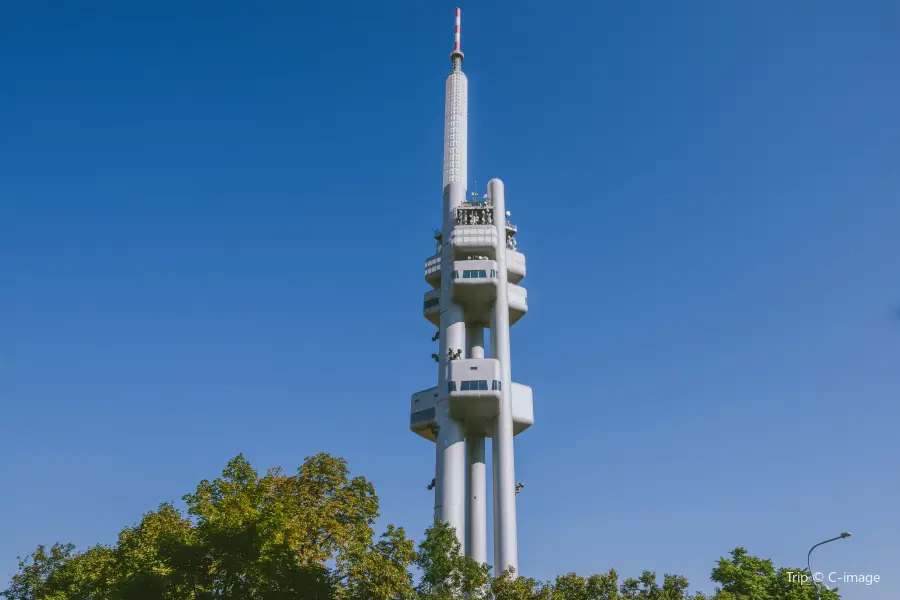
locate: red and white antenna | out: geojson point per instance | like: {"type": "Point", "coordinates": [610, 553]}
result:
{"type": "Point", "coordinates": [456, 37]}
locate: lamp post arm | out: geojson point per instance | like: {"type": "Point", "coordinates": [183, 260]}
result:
{"type": "Point", "coordinates": [816, 546]}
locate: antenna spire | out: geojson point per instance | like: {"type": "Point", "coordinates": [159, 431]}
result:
{"type": "Point", "coordinates": [457, 55]}
{"type": "Point", "coordinates": [456, 47]}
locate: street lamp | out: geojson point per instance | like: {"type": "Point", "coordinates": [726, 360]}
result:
{"type": "Point", "coordinates": [846, 534]}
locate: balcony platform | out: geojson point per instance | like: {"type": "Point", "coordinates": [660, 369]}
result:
{"type": "Point", "coordinates": [423, 416]}
{"type": "Point", "coordinates": [474, 288]}
{"type": "Point", "coordinates": [468, 239]}
{"type": "Point", "coordinates": [474, 388]}
{"type": "Point", "coordinates": [431, 307]}
{"type": "Point", "coordinates": [477, 313]}
{"type": "Point", "coordinates": [515, 267]}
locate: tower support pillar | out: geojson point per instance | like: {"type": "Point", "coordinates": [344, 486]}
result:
{"type": "Point", "coordinates": [506, 552]}
{"type": "Point", "coordinates": [475, 341]}
{"type": "Point", "coordinates": [476, 517]}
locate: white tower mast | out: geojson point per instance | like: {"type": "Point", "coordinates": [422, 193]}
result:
{"type": "Point", "coordinates": [475, 275]}
{"type": "Point", "coordinates": [450, 504]}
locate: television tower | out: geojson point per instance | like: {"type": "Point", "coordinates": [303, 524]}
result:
{"type": "Point", "coordinates": [475, 275]}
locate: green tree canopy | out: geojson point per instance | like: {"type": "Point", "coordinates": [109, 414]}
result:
{"type": "Point", "coordinates": [311, 536]}
{"type": "Point", "coordinates": [745, 577]}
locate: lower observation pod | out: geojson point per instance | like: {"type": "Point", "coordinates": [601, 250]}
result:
{"type": "Point", "coordinates": [423, 418]}
{"type": "Point", "coordinates": [472, 295]}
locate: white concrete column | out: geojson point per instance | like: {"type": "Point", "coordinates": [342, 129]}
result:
{"type": "Point", "coordinates": [450, 480]}
{"type": "Point", "coordinates": [502, 447]}
{"type": "Point", "coordinates": [451, 440]}
{"type": "Point", "coordinates": [476, 516]}
{"type": "Point", "coordinates": [495, 482]}
{"type": "Point", "coordinates": [475, 341]}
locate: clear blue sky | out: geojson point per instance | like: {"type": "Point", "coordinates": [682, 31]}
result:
{"type": "Point", "coordinates": [207, 215]}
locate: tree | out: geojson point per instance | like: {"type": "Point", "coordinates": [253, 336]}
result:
{"type": "Point", "coordinates": [447, 573]}
{"type": "Point", "coordinates": [308, 536]}
{"type": "Point", "coordinates": [745, 577]}
{"type": "Point", "coordinates": [674, 587]}
{"type": "Point", "coordinates": [381, 572]}
{"type": "Point", "coordinates": [509, 587]}
{"type": "Point", "coordinates": [158, 558]}
{"type": "Point", "coordinates": [272, 536]}
{"type": "Point", "coordinates": [596, 587]}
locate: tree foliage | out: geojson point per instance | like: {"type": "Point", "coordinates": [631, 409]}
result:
{"type": "Point", "coordinates": [745, 577]}
{"type": "Point", "coordinates": [311, 536]}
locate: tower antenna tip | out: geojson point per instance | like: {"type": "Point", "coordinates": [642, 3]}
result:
{"type": "Point", "coordinates": [456, 47]}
